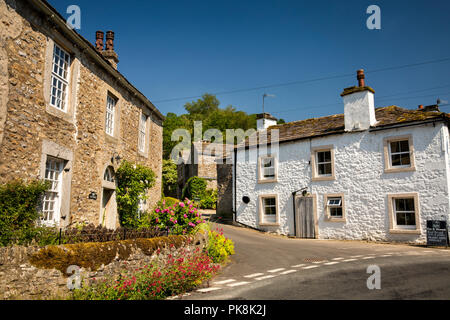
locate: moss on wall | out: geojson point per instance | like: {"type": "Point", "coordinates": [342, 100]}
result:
{"type": "Point", "coordinates": [93, 255]}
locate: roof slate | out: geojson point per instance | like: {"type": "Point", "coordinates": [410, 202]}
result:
{"type": "Point", "coordinates": [335, 124]}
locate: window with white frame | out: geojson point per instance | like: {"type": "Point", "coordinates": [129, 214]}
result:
{"type": "Point", "coordinates": [110, 112]}
{"type": "Point", "coordinates": [52, 199]}
{"type": "Point", "coordinates": [109, 175]}
{"type": "Point", "coordinates": [60, 78]}
{"type": "Point", "coordinates": [267, 168]}
{"type": "Point", "coordinates": [335, 207]}
{"type": "Point", "coordinates": [269, 209]}
{"type": "Point", "coordinates": [405, 213]}
{"type": "Point", "coordinates": [142, 133]}
{"type": "Point", "coordinates": [399, 154]}
{"type": "Point", "coordinates": [322, 163]}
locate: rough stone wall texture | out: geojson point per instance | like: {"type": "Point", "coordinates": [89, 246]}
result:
{"type": "Point", "coordinates": [22, 280]}
{"type": "Point", "coordinates": [225, 190]}
{"type": "Point", "coordinates": [27, 119]}
{"type": "Point", "coordinates": [359, 169]}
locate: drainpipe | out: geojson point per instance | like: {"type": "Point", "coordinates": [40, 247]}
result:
{"type": "Point", "coordinates": [234, 184]}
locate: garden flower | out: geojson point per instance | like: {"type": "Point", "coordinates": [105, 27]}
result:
{"type": "Point", "coordinates": [182, 204]}
{"type": "Point", "coordinates": [157, 210]}
{"type": "Point", "coordinates": [185, 216]}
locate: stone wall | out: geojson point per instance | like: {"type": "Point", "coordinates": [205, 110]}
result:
{"type": "Point", "coordinates": [33, 273]}
{"type": "Point", "coordinates": [225, 190]}
{"type": "Point", "coordinates": [28, 124]}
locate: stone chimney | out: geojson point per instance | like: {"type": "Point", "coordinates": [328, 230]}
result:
{"type": "Point", "coordinates": [264, 121]}
{"type": "Point", "coordinates": [109, 53]}
{"type": "Point", "coordinates": [359, 105]}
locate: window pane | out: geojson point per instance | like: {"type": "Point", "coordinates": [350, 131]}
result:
{"type": "Point", "coordinates": [405, 159]}
{"type": "Point", "coordinates": [269, 201]}
{"type": "Point", "coordinates": [325, 169]}
{"type": "Point", "coordinates": [336, 212]}
{"type": "Point", "coordinates": [396, 160]}
{"type": "Point", "coordinates": [404, 146]}
{"type": "Point", "coordinates": [395, 146]}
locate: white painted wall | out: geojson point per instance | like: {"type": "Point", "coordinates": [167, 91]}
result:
{"type": "Point", "coordinates": [359, 167]}
{"type": "Point", "coordinates": [359, 110]}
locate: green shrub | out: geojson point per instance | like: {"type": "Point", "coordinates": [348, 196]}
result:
{"type": "Point", "coordinates": [167, 202]}
{"type": "Point", "coordinates": [219, 247]}
{"type": "Point", "coordinates": [133, 182]}
{"type": "Point", "coordinates": [209, 199]}
{"type": "Point", "coordinates": [19, 210]}
{"type": "Point", "coordinates": [169, 178]}
{"type": "Point", "coordinates": [195, 188]}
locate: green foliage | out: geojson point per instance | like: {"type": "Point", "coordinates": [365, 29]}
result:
{"type": "Point", "coordinates": [209, 199]}
{"type": "Point", "coordinates": [219, 247]}
{"type": "Point", "coordinates": [195, 188]}
{"type": "Point", "coordinates": [183, 271]}
{"type": "Point", "coordinates": [167, 202]}
{"type": "Point", "coordinates": [19, 203]}
{"type": "Point", "coordinates": [212, 116]}
{"type": "Point", "coordinates": [134, 180]}
{"type": "Point", "coordinates": [169, 178]}
{"type": "Point", "coordinates": [179, 219]}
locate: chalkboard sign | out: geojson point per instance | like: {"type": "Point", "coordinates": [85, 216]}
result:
{"type": "Point", "coordinates": [437, 233]}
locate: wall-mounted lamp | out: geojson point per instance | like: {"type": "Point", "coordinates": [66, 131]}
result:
{"type": "Point", "coordinates": [116, 157]}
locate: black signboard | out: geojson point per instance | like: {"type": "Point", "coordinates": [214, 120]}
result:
{"type": "Point", "coordinates": [437, 233]}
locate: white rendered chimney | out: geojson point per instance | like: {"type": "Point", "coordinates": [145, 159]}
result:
{"type": "Point", "coordinates": [359, 106]}
{"type": "Point", "coordinates": [264, 121]}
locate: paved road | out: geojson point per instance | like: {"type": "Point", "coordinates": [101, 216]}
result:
{"type": "Point", "coordinates": [277, 268]}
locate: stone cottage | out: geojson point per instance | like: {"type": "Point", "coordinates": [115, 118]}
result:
{"type": "Point", "coordinates": [374, 174]}
{"type": "Point", "coordinates": [67, 115]}
{"type": "Point", "coordinates": [199, 161]}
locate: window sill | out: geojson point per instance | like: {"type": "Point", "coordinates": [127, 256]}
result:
{"type": "Point", "coordinates": [342, 220]}
{"type": "Point", "coordinates": [268, 181]}
{"type": "Point", "coordinates": [324, 178]}
{"type": "Point", "coordinates": [64, 115]}
{"type": "Point", "coordinates": [269, 224]}
{"type": "Point", "coordinates": [143, 154]}
{"type": "Point", "coordinates": [404, 231]}
{"type": "Point", "coordinates": [110, 138]}
{"type": "Point", "coordinates": [395, 170]}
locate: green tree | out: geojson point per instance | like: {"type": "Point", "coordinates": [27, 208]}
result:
{"type": "Point", "coordinates": [212, 116]}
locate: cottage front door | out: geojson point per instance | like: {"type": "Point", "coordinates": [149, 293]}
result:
{"type": "Point", "coordinates": [305, 220]}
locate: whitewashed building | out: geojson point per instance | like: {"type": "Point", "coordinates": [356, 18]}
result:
{"type": "Point", "coordinates": [368, 174]}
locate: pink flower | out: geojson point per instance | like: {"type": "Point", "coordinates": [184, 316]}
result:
{"type": "Point", "coordinates": [157, 210]}
{"type": "Point", "coordinates": [185, 216]}
{"type": "Point", "coordinates": [182, 204]}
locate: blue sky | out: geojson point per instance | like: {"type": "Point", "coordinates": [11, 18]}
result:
{"type": "Point", "coordinates": [176, 49]}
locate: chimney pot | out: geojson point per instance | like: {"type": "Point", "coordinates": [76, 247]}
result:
{"type": "Point", "coordinates": [110, 40]}
{"type": "Point", "coordinates": [361, 77]}
{"type": "Point", "coordinates": [99, 36]}
{"type": "Point", "coordinates": [421, 107]}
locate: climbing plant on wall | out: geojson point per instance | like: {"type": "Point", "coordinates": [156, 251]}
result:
{"type": "Point", "coordinates": [133, 182]}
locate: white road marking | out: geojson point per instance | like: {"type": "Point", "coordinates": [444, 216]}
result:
{"type": "Point", "coordinates": [336, 259]}
{"type": "Point", "coordinates": [225, 281]}
{"type": "Point", "coordinates": [331, 263]}
{"type": "Point", "coordinates": [238, 284]}
{"type": "Point", "coordinates": [254, 275]}
{"type": "Point", "coordinates": [357, 256]}
{"type": "Point", "coordinates": [288, 272]}
{"type": "Point", "coordinates": [349, 260]}
{"type": "Point", "coordinates": [299, 265]}
{"type": "Point", "coordinates": [310, 267]}
{"type": "Point", "coordinates": [386, 255]}
{"type": "Point", "coordinates": [208, 290]}
{"type": "Point", "coordinates": [265, 277]}
{"type": "Point", "coordinates": [367, 258]}
{"type": "Point", "coordinates": [276, 270]}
